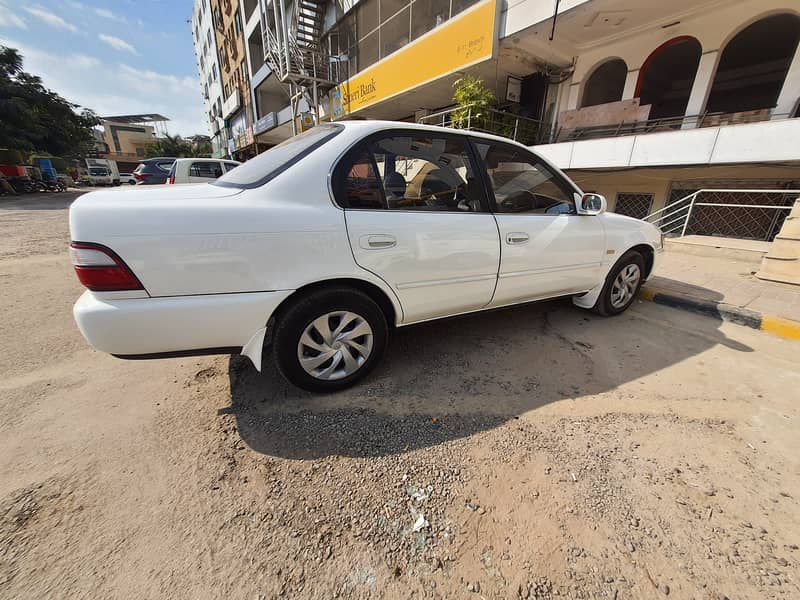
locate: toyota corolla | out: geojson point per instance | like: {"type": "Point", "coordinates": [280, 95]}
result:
{"type": "Point", "coordinates": [321, 246]}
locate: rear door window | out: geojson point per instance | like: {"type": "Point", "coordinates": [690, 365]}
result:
{"type": "Point", "coordinates": [207, 170]}
{"type": "Point", "coordinates": [165, 165]}
{"type": "Point", "coordinates": [259, 170]}
{"type": "Point", "coordinates": [411, 172]}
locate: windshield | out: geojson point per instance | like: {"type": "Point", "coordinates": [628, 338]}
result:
{"type": "Point", "coordinates": [257, 171]}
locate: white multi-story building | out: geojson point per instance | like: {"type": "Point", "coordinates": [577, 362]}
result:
{"type": "Point", "coordinates": [205, 50]}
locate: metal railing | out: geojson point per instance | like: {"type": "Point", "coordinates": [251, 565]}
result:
{"type": "Point", "coordinates": [721, 218]}
{"type": "Point", "coordinates": [626, 128]}
{"type": "Point", "coordinates": [488, 120]}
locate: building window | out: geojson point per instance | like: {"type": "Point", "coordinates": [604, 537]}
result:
{"type": "Point", "coordinates": [459, 5]}
{"type": "Point", "coordinates": [426, 16]}
{"type": "Point", "coordinates": [375, 29]}
{"type": "Point", "coordinates": [214, 71]}
{"type": "Point", "coordinates": [754, 64]}
{"type": "Point", "coordinates": [389, 8]}
{"type": "Point", "coordinates": [606, 83]}
{"type": "Point", "coordinates": [667, 76]}
{"type": "Point", "coordinates": [208, 35]}
{"type": "Point", "coordinates": [394, 32]}
{"type": "Point", "coordinates": [237, 23]}
{"type": "Point", "coordinates": [634, 205]}
{"type": "Point", "coordinates": [366, 17]}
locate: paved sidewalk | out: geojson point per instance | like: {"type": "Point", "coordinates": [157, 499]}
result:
{"type": "Point", "coordinates": [727, 288]}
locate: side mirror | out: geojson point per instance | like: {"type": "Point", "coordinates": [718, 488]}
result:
{"type": "Point", "coordinates": [592, 204]}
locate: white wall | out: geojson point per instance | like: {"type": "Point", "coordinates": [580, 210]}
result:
{"type": "Point", "coordinates": [768, 141]}
{"type": "Point", "coordinates": [520, 14]}
{"type": "Point", "coordinates": [712, 29]}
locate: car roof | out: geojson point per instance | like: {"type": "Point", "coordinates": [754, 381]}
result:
{"type": "Point", "coordinates": [204, 159]}
{"type": "Point", "coordinates": [365, 127]}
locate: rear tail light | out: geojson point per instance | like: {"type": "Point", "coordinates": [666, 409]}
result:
{"type": "Point", "coordinates": [100, 270]}
{"type": "Point", "coordinates": [171, 179]}
{"type": "Point", "coordinates": [140, 176]}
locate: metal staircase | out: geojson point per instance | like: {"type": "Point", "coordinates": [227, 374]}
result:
{"type": "Point", "coordinates": [291, 35]}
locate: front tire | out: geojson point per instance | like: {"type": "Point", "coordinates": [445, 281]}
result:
{"type": "Point", "coordinates": [330, 339]}
{"type": "Point", "coordinates": [622, 285]}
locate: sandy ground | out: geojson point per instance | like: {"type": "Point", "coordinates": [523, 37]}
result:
{"type": "Point", "coordinates": [541, 452]}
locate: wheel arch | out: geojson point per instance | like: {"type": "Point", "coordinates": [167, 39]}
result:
{"type": "Point", "coordinates": [379, 296]}
{"type": "Point", "coordinates": [648, 253]}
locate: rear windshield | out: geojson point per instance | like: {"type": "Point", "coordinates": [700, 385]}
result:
{"type": "Point", "coordinates": [257, 171]}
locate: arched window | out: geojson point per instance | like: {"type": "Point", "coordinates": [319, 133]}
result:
{"type": "Point", "coordinates": [666, 77]}
{"type": "Point", "coordinates": [606, 83]}
{"type": "Point", "coordinates": [754, 64]}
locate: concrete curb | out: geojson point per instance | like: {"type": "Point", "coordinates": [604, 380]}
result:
{"type": "Point", "coordinates": [785, 328]}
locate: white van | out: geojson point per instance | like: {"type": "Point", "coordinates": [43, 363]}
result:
{"type": "Point", "coordinates": [199, 170]}
{"type": "Point", "coordinates": [100, 176]}
{"type": "Point", "coordinates": [111, 165]}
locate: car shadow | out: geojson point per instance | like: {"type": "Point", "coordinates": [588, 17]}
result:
{"type": "Point", "coordinates": [453, 378]}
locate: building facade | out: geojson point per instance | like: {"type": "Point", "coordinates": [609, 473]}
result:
{"type": "Point", "coordinates": [641, 101]}
{"type": "Point", "coordinates": [207, 58]}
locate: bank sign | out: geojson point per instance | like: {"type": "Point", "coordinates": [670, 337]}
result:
{"type": "Point", "coordinates": [463, 41]}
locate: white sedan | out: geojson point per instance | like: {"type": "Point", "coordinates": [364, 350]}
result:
{"type": "Point", "coordinates": [324, 244]}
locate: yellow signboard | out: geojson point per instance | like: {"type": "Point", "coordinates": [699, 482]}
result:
{"type": "Point", "coordinates": [465, 40]}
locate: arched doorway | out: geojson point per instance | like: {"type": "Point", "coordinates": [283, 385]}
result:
{"type": "Point", "coordinates": [666, 77]}
{"type": "Point", "coordinates": [753, 65]}
{"type": "Point", "coordinates": [606, 83]}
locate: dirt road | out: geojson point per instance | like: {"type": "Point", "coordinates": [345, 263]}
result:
{"type": "Point", "coordinates": [534, 453]}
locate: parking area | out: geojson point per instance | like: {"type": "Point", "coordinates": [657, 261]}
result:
{"type": "Point", "coordinates": [536, 452]}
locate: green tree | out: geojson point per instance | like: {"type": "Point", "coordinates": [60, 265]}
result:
{"type": "Point", "coordinates": [33, 117]}
{"type": "Point", "coordinates": [175, 145]}
{"type": "Point", "coordinates": [474, 101]}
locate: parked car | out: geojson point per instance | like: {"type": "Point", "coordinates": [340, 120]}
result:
{"type": "Point", "coordinates": [127, 178]}
{"type": "Point", "coordinates": [199, 170]}
{"type": "Point", "coordinates": [327, 242]}
{"type": "Point", "coordinates": [153, 171]}
{"type": "Point", "coordinates": [100, 176]}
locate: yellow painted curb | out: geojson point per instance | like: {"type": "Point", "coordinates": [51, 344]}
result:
{"type": "Point", "coordinates": [646, 294]}
{"type": "Point", "coordinates": [784, 328]}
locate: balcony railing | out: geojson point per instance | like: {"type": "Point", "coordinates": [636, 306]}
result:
{"type": "Point", "coordinates": [487, 120]}
{"type": "Point", "coordinates": [625, 128]}
{"type": "Point", "coordinates": [530, 131]}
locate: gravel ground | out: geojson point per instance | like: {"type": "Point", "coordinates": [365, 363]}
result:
{"type": "Point", "coordinates": [538, 452]}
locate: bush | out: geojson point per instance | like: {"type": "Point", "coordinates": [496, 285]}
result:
{"type": "Point", "coordinates": [474, 100]}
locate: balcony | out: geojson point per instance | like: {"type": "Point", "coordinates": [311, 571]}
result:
{"type": "Point", "coordinates": [231, 104]}
{"type": "Point", "coordinates": [681, 142]}
{"type": "Point", "coordinates": [497, 122]}
{"type": "Point", "coordinates": [712, 138]}
{"type": "Point", "coordinates": [627, 117]}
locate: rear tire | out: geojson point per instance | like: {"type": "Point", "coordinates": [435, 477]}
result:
{"type": "Point", "coordinates": [622, 285]}
{"type": "Point", "coordinates": [329, 339]}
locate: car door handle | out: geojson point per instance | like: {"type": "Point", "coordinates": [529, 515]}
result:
{"type": "Point", "coordinates": [517, 237]}
{"type": "Point", "coordinates": [377, 241]}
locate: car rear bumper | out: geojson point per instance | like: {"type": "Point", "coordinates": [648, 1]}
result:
{"type": "Point", "coordinates": [178, 324]}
